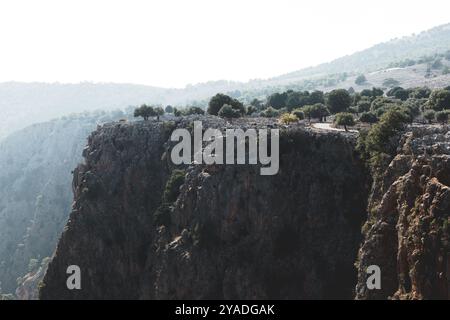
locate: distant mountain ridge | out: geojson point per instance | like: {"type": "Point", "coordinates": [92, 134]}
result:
{"type": "Point", "coordinates": [22, 104]}
{"type": "Point", "coordinates": [435, 40]}
{"type": "Point", "coordinates": [36, 191]}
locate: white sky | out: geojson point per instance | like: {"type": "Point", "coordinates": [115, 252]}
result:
{"type": "Point", "coordinates": [172, 43]}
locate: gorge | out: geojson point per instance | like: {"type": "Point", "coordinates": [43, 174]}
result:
{"type": "Point", "coordinates": [143, 228]}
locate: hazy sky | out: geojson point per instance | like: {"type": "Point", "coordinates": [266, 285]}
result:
{"type": "Point", "coordinates": [172, 43]}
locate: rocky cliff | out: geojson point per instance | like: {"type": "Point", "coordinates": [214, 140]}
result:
{"type": "Point", "coordinates": [141, 228]}
{"type": "Point", "coordinates": [223, 232]}
{"type": "Point", "coordinates": [407, 232]}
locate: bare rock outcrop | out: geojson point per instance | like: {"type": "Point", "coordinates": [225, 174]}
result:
{"type": "Point", "coordinates": [231, 232]}
{"type": "Point", "coordinates": [407, 233]}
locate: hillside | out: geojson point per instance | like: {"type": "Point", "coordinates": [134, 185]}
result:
{"type": "Point", "coordinates": [380, 56]}
{"type": "Point", "coordinates": [22, 104]}
{"type": "Point", "coordinates": [35, 190]}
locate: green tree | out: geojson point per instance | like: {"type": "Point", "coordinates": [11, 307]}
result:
{"type": "Point", "coordinates": [173, 185]}
{"type": "Point", "coordinates": [339, 100]}
{"type": "Point", "coordinates": [33, 264]}
{"type": "Point", "coordinates": [219, 100]}
{"type": "Point", "coordinates": [366, 93]}
{"type": "Point", "coordinates": [299, 114]}
{"type": "Point", "coordinates": [344, 119]}
{"type": "Point", "coordinates": [363, 106]}
{"type": "Point", "coordinates": [399, 93]}
{"type": "Point", "coordinates": [193, 110]}
{"type": "Point", "coordinates": [381, 102]}
{"type": "Point", "coordinates": [322, 110]}
{"type": "Point", "coordinates": [292, 100]}
{"type": "Point", "coordinates": [288, 118]}
{"type": "Point", "coordinates": [277, 100]}
{"type": "Point", "coordinates": [270, 113]}
{"type": "Point", "coordinates": [378, 139]}
{"type": "Point", "coordinates": [227, 111]}
{"type": "Point", "coordinates": [177, 113]}
{"type": "Point", "coordinates": [360, 80]}
{"type": "Point", "coordinates": [159, 111]}
{"type": "Point", "coordinates": [256, 103]}
{"type": "Point", "coordinates": [368, 117]}
{"type": "Point", "coordinates": [442, 117]}
{"type": "Point", "coordinates": [316, 97]}
{"type": "Point", "coordinates": [317, 111]}
{"type": "Point", "coordinates": [429, 115]}
{"type": "Point", "coordinates": [145, 112]}
{"type": "Point", "coordinates": [420, 93]}
{"type": "Point", "coordinates": [169, 109]}
{"type": "Point", "coordinates": [353, 110]}
{"type": "Point", "coordinates": [439, 100]}
{"type": "Point", "coordinates": [251, 110]}
{"type": "Point", "coordinates": [377, 92]}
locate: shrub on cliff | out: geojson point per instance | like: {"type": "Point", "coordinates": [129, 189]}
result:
{"type": "Point", "coordinates": [177, 113]}
{"type": "Point", "coordinates": [398, 93]}
{"type": "Point", "coordinates": [439, 100]}
{"type": "Point", "coordinates": [360, 80]}
{"type": "Point", "coordinates": [368, 117]}
{"type": "Point", "coordinates": [228, 112]}
{"type": "Point", "coordinates": [159, 111]}
{"type": "Point", "coordinates": [381, 102]}
{"type": "Point", "coordinates": [363, 106]}
{"type": "Point", "coordinates": [429, 115]}
{"type": "Point", "coordinates": [168, 109]}
{"type": "Point", "coordinates": [420, 93]}
{"type": "Point", "coordinates": [145, 112]}
{"type": "Point", "coordinates": [344, 119]}
{"type": "Point", "coordinates": [299, 114]}
{"type": "Point", "coordinates": [219, 100]}
{"type": "Point", "coordinates": [193, 110]}
{"type": "Point", "coordinates": [317, 111]}
{"type": "Point", "coordinates": [288, 118]}
{"type": "Point", "coordinates": [379, 139]}
{"type": "Point", "coordinates": [270, 113]}
{"type": "Point", "coordinates": [339, 100]}
{"type": "Point", "coordinates": [162, 215]}
{"type": "Point", "coordinates": [249, 110]}
{"type": "Point", "coordinates": [442, 116]}
{"type": "Point", "coordinates": [33, 264]}
{"type": "Point", "coordinates": [277, 100]}
{"type": "Point", "coordinates": [173, 185]}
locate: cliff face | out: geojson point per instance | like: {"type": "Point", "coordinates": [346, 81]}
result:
{"type": "Point", "coordinates": [230, 233]}
{"type": "Point", "coordinates": [407, 232]}
{"type": "Point", "coordinates": [110, 228]}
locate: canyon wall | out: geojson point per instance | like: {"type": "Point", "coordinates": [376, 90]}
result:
{"type": "Point", "coordinates": [142, 228]}
{"type": "Point", "coordinates": [407, 230]}
{"type": "Point", "coordinates": [226, 233]}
